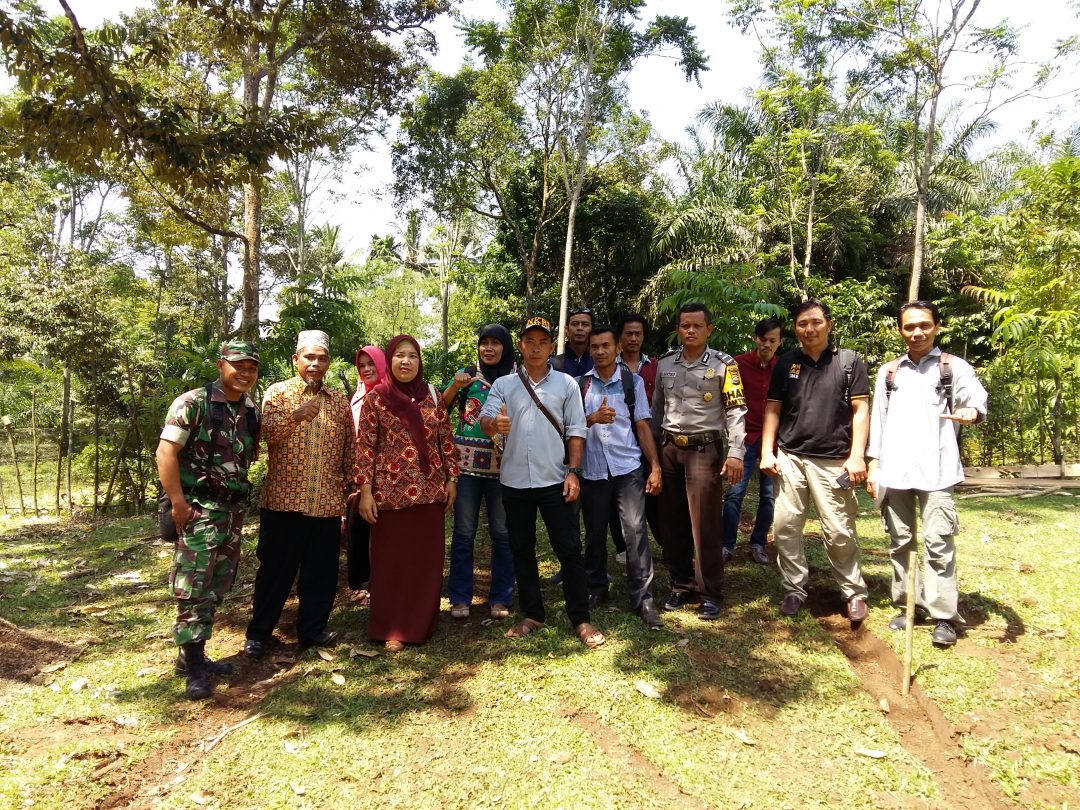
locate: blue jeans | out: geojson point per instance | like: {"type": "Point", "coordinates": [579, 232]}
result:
{"type": "Point", "coordinates": [733, 499]}
{"type": "Point", "coordinates": [470, 490]}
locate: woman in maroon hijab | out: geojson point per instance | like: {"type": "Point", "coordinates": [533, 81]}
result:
{"type": "Point", "coordinates": [407, 474]}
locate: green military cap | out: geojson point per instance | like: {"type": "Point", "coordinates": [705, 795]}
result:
{"type": "Point", "coordinates": [236, 349]}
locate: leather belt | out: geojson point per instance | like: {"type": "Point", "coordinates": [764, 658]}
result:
{"type": "Point", "coordinates": [692, 439]}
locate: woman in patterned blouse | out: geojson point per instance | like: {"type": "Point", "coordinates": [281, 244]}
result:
{"type": "Point", "coordinates": [407, 474]}
{"type": "Point", "coordinates": [370, 371]}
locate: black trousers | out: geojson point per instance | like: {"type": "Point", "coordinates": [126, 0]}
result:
{"type": "Point", "coordinates": [561, 520]}
{"type": "Point", "coordinates": [359, 552]}
{"type": "Point", "coordinates": [289, 544]}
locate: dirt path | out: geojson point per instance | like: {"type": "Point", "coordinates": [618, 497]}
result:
{"type": "Point", "coordinates": [924, 731]}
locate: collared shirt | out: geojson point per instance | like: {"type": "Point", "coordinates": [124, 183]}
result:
{"type": "Point", "coordinates": [533, 454]}
{"type": "Point", "coordinates": [309, 465]}
{"type": "Point", "coordinates": [613, 449]}
{"type": "Point", "coordinates": [755, 380]}
{"type": "Point", "coordinates": [219, 461]}
{"type": "Point", "coordinates": [572, 364]}
{"type": "Point", "coordinates": [914, 446]}
{"type": "Point", "coordinates": [647, 371]}
{"type": "Point", "coordinates": [700, 396]}
{"type": "Point", "coordinates": [815, 401]}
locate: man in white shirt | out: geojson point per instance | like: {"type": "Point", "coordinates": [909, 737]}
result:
{"type": "Point", "coordinates": [920, 400]}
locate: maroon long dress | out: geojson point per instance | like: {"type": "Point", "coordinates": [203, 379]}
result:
{"type": "Point", "coordinates": [407, 539]}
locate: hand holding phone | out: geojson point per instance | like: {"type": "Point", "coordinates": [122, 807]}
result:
{"type": "Point", "coordinates": [843, 480]}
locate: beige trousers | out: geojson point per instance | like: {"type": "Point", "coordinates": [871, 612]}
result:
{"type": "Point", "coordinates": [812, 478]}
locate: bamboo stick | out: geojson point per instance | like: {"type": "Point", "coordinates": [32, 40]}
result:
{"type": "Point", "coordinates": [909, 628]}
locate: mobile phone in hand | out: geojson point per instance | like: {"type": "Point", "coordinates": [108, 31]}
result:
{"type": "Point", "coordinates": [843, 480]}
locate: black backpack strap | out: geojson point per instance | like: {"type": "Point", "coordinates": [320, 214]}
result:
{"type": "Point", "coordinates": [945, 371]}
{"type": "Point", "coordinates": [629, 395]}
{"type": "Point", "coordinates": [890, 375]}
{"type": "Point", "coordinates": [584, 382]}
{"type": "Point", "coordinates": [847, 357]}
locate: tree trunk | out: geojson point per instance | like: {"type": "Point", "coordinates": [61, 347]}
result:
{"type": "Point", "coordinates": [1055, 435]}
{"type": "Point", "coordinates": [249, 321]}
{"type": "Point", "coordinates": [568, 250]}
{"type": "Point", "coordinates": [10, 430]}
{"type": "Point", "coordinates": [809, 246]}
{"type": "Point", "coordinates": [70, 444]}
{"type": "Point", "coordinates": [65, 407]}
{"type": "Point", "coordinates": [922, 192]}
{"type": "Point", "coordinates": [34, 443]}
{"type": "Point", "coordinates": [97, 456]}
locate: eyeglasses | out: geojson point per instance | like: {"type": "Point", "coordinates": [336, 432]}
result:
{"type": "Point", "coordinates": [580, 311]}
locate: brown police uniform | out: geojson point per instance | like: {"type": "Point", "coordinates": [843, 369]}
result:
{"type": "Point", "coordinates": [698, 418]}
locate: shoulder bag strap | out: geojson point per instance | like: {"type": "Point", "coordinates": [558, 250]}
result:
{"type": "Point", "coordinates": [532, 393]}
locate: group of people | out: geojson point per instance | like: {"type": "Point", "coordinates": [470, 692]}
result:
{"type": "Point", "coordinates": [600, 434]}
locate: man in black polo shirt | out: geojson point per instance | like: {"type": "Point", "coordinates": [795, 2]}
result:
{"type": "Point", "coordinates": [819, 406]}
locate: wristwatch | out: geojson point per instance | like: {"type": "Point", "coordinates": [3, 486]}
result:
{"type": "Point", "coordinates": [578, 471]}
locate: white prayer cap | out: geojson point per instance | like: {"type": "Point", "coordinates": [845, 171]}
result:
{"type": "Point", "coordinates": [313, 337]}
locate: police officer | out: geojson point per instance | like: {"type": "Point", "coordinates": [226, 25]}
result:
{"type": "Point", "coordinates": [698, 400]}
{"type": "Point", "coordinates": [207, 445]}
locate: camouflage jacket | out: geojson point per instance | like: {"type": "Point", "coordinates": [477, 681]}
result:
{"type": "Point", "coordinates": [218, 447]}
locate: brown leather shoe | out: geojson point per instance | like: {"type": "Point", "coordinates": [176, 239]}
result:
{"type": "Point", "coordinates": [856, 608]}
{"type": "Point", "coordinates": [791, 604]}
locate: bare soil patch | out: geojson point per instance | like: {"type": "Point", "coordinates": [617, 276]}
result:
{"type": "Point", "coordinates": [924, 731]}
{"type": "Point", "coordinates": [24, 653]}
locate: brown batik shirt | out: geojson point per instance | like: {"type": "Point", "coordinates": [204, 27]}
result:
{"type": "Point", "coordinates": [309, 464]}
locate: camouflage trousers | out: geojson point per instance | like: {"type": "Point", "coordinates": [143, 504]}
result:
{"type": "Point", "coordinates": [204, 567]}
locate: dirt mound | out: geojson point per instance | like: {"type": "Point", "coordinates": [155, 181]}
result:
{"type": "Point", "coordinates": [24, 653]}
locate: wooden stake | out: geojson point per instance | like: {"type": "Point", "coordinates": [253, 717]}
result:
{"type": "Point", "coordinates": [34, 441]}
{"type": "Point", "coordinates": [909, 629]}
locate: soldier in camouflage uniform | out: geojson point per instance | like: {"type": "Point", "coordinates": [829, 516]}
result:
{"type": "Point", "coordinates": [203, 457]}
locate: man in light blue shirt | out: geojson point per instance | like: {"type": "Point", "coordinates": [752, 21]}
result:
{"type": "Point", "coordinates": [614, 476]}
{"type": "Point", "coordinates": [537, 418]}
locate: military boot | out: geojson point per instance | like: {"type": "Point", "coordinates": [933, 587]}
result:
{"type": "Point", "coordinates": [218, 669]}
{"type": "Point", "coordinates": [199, 686]}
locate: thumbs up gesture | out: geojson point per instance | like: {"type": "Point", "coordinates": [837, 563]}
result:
{"type": "Point", "coordinates": [605, 414]}
{"type": "Point", "coordinates": [502, 421]}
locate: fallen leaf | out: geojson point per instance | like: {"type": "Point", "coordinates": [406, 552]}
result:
{"type": "Point", "coordinates": [29, 590]}
{"type": "Point", "coordinates": [201, 798]}
{"type": "Point", "coordinates": [560, 757]}
{"type": "Point", "coordinates": [59, 665]}
{"type": "Point", "coordinates": [338, 678]}
{"type": "Point", "coordinates": [357, 652]}
{"type": "Point", "coordinates": [283, 660]}
{"type": "Point", "coordinates": [647, 689]}
{"type": "Point", "coordinates": [682, 642]}
{"type": "Point", "coordinates": [743, 737]}
{"type": "Point", "coordinates": [883, 704]}
{"type": "Point", "coordinates": [873, 753]}
{"type": "Point", "coordinates": [524, 698]}
{"type": "Point", "coordinates": [79, 684]}
{"type": "Point", "coordinates": [298, 789]}
{"type": "Point", "coordinates": [142, 673]}
{"type": "Point", "coordinates": [325, 655]}
{"type": "Point", "coordinates": [129, 720]}
{"type": "Point", "coordinates": [290, 748]}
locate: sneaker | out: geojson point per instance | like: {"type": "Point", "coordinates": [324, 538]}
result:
{"type": "Point", "coordinates": [678, 599]}
{"type": "Point", "coordinates": [944, 634]}
{"type": "Point", "coordinates": [708, 610]}
{"type": "Point", "coordinates": [759, 555]}
{"type": "Point", "coordinates": [791, 604]}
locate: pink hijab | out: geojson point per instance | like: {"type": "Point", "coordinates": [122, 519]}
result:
{"type": "Point", "coordinates": [363, 389]}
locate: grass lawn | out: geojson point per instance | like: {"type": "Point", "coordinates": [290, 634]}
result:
{"type": "Point", "coordinates": [752, 710]}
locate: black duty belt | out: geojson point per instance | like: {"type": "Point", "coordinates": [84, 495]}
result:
{"type": "Point", "coordinates": [692, 439]}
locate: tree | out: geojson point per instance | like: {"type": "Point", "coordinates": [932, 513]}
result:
{"type": "Point", "coordinates": [85, 94]}
{"type": "Point", "coordinates": [916, 45]}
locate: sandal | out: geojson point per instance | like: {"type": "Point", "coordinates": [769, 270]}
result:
{"type": "Point", "coordinates": [394, 646]}
{"type": "Point", "coordinates": [523, 628]}
{"type": "Point", "coordinates": [361, 596]}
{"type": "Point", "coordinates": [459, 611]}
{"type": "Point", "coordinates": [499, 611]}
{"type": "Point", "coordinates": [589, 635]}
